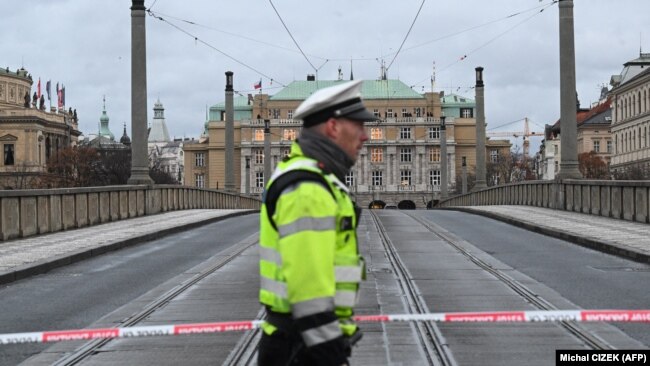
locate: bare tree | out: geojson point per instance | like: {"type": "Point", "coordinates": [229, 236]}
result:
{"type": "Point", "coordinates": [592, 166]}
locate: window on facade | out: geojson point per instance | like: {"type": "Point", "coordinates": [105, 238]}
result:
{"type": "Point", "coordinates": [290, 114]}
{"type": "Point", "coordinates": [557, 166]}
{"type": "Point", "coordinates": [258, 134]}
{"type": "Point", "coordinates": [285, 153]}
{"type": "Point", "coordinates": [376, 154]}
{"type": "Point", "coordinates": [259, 156]}
{"type": "Point", "coordinates": [199, 180]}
{"type": "Point", "coordinates": [418, 112]}
{"type": "Point", "coordinates": [349, 179]}
{"type": "Point", "coordinates": [405, 132]}
{"type": "Point", "coordinates": [555, 149]}
{"type": "Point", "coordinates": [377, 178]}
{"type": "Point", "coordinates": [376, 133]}
{"type": "Point", "coordinates": [274, 113]}
{"type": "Point", "coordinates": [494, 155]}
{"type": "Point", "coordinates": [597, 145]}
{"type": "Point", "coordinates": [9, 154]}
{"type": "Point", "coordinates": [434, 154]}
{"type": "Point", "coordinates": [434, 133]}
{"type": "Point", "coordinates": [289, 134]}
{"type": "Point", "coordinates": [404, 112]}
{"type": "Point", "coordinates": [389, 113]}
{"type": "Point", "coordinates": [405, 155]}
{"type": "Point", "coordinates": [199, 159]}
{"type": "Point", "coordinates": [609, 146]}
{"type": "Point", "coordinates": [434, 177]}
{"type": "Point", "coordinates": [466, 112]}
{"type": "Point", "coordinates": [405, 177]}
{"type": "Point", "coordinates": [376, 112]}
{"type": "Point", "coordinates": [259, 179]}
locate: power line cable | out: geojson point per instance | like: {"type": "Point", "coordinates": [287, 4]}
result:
{"type": "Point", "coordinates": [505, 124]}
{"type": "Point", "coordinates": [234, 34]}
{"type": "Point", "coordinates": [154, 3]}
{"type": "Point", "coordinates": [475, 27]}
{"type": "Point", "coordinates": [405, 37]}
{"type": "Point", "coordinates": [196, 39]}
{"type": "Point", "coordinates": [291, 35]}
{"type": "Point", "coordinates": [465, 56]}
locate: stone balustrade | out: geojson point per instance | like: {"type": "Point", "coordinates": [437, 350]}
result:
{"type": "Point", "coordinates": [38, 211]}
{"type": "Point", "coordinates": [627, 200]}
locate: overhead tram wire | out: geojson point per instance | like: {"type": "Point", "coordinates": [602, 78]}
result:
{"type": "Point", "coordinates": [478, 26]}
{"type": "Point", "coordinates": [406, 36]}
{"type": "Point", "coordinates": [197, 39]}
{"type": "Point", "coordinates": [292, 38]}
{"type": "Point", "coordinates": [234, 34]}
{"type": "Point", "coordinates": [465, 56]}
{"type": "Point", "coordinates": [506, 124]}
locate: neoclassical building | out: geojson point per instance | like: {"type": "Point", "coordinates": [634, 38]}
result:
{"type": "Point", "coordinates": [630, 97]}
{"type": "Point", "coordinates": [164, 153]}
{"type": "Point", "coordinates": [399, 163]}
{"type": "Point", "coordinates": [29, 134]}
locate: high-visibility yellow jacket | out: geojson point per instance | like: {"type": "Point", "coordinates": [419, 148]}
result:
{"type": "Point", "coordinates": [310, 265]}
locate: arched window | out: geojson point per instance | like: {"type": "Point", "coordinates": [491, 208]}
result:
{"type": "Point", "coordinates": [639, 101]}
{"type": "Point", "coordinates": [48, 149]}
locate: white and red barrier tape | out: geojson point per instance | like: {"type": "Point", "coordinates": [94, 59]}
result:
{"type": "Point", "coordinates": [198, 328]}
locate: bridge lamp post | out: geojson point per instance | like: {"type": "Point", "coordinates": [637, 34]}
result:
{"type": "Point", "coordinates": [267, 150]}
{"type": "Point", "coordinates": [248, 175]}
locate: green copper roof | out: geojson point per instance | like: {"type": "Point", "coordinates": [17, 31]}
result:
{"type": "Point", "coordinates": [239, 103]}
{"type": "Point", "coordinates": [457, 100]}
{"type": "Point", "coordinates": [370, 89]}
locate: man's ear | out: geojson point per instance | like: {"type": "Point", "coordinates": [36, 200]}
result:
{"type": "Point", "coordinates": [331, 128]}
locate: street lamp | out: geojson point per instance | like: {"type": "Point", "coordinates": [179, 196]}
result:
{"type": "Point", "coordinates": [267, 150]}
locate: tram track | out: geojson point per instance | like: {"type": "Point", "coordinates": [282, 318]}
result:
{"type": "Point", "coordinates": [590, 339]}
{"type": "Point", "coordinates": [428, 335]}
{"type": "Point", "coordinates": [90, 348]}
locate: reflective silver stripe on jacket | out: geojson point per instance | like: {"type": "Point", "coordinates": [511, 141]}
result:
{"type": "Point", "coordinates": [322, 334]}
{"type": "Point", "coordinates": [270, 255]}
{"type": "Point", "coordinates": [278, 288]}
{"type": "Point", "coordinates": [311, 307]}
{"type": "Point", "coordinates": [295, 166]}
{"type": "Point", "coordinates": [347, 273]}
{"type": "Point", "coordinates": [308, 223]}
{"type": "Point", "coordinates": [345, 298]}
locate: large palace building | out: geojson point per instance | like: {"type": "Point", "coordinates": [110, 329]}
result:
{"type": "Point", "coordinates": [399, 165]}
{"type": "Point", "coordinates": [29, 134]}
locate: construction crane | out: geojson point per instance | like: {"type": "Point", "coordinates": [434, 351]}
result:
{"type": "Point", "coordinates": [526, 133]}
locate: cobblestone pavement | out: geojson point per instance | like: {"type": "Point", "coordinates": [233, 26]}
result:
{"type": "Point", "coordinates": [625, 238]}
{"type": "Point", "coordinates": [25, 257]}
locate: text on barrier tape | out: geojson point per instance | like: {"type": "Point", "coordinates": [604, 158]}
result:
{"type": "Point", "coordinates": [201, 328]}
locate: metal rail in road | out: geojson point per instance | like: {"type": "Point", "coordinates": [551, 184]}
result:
{"type": "Point", "coordinates": [91, 348]}
{"type": "Point", "coordinates": [590, 339]}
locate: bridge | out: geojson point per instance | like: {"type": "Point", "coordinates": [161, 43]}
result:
{"type": "Point", "coordinates": [171, 255]}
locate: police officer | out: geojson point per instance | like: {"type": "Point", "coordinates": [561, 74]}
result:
{"type": "Point", "coordinates": [310, 265]}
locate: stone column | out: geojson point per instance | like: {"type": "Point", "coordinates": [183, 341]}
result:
{"type": "Point", "coordinates": [230, 135]}
{"type": "Point", "coordinates": [480, 131]}
{"type": "Point", "coordinates": [139, 159]}
{"type": "Point", "coordinates": [464, 174]}
{"type": "Point", "coordinates": [267, 150]}
{"type": "Point", "coordinates": [443, 159]}
{"type": "Point", "coordinates": [568, 101]}
{"type": "Point", "coordinates": [247, 188]}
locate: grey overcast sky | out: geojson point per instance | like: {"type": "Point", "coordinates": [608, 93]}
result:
{"type": "Point", "coordinates": [85, 44]}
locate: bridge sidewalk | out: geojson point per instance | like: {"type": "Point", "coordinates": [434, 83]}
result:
{"type": "Point", "coordinates": [619, 237]}
{"type": "Point", "coordinates": [38, 254]}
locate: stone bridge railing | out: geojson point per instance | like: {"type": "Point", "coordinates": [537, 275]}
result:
{"type": "Point", "coordinates": [39, 211]}
{"type": "Point", "coordinates": [627, 200]}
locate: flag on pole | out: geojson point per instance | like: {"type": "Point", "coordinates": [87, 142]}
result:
{"type": "Point", "coordinates": [48, 88]}
{"type": "Point", "coordinates": [258, 85]}
{"type": "Point", "coordinates": [38, 89]}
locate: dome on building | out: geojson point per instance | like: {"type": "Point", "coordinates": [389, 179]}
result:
{"type": "Point", "coordinates": [104, 131]}
{"type": "Point", "coordinates": [125, 138]}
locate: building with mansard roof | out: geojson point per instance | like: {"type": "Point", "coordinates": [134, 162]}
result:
{"type": "Point", "coordinates": [30, 134]}
{"type": "Point", "coordinates": [164, 154]}
{"type": "Point", "coordinates": [399, 164]}
{"type": "Point", "coordinates": [630, 96]}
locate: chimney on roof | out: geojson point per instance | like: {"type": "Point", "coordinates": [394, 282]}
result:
{"type": "Point", "coordinates": [311, 77]}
